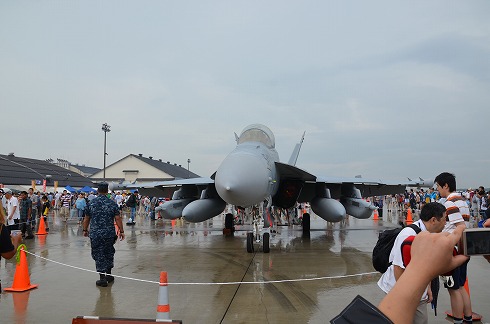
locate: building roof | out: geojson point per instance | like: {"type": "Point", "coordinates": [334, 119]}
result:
{"type": "Point", "coordinates": [175, 170]}
{"type": "Point", "coordinates": [86, 169]}
{"type": "Point", "coordinates": [21, 171]}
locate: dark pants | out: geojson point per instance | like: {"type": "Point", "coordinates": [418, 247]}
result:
{"type": "Point", "coordinates": [103, 253]}
{"type": "Point", "coordinates": [25, 226]}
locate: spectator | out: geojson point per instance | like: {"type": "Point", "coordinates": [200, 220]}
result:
{"type": "Point", "coordinates": [65, 202]}
{"type": "Point", "coordinates": [457, 212]}
{"type": "Point", "coordinates": [13, 214]}
{"type": "Point", "coordinates": [25, 210]}
{"type": "Point", "coordinates": [80, 204]}
{"type": "Point", "coordinates": [432, 219]}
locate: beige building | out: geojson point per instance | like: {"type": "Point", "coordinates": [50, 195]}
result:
{"type": "Point", "coordinates": [137, 168]}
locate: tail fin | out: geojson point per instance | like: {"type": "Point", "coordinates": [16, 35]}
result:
{"type": "Point", "coordinates": [297, 148]}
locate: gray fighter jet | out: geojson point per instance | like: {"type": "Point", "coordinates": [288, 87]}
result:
{"type": "Point", "coordinates": [252, 174]}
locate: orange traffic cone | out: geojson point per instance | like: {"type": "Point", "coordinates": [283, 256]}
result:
{"type": "Point", "coordinates": [163, 308]}
{"type": "Point", "coordinates": [376, 216]}
{"type": "Point", "coordinates": [409, 216]}
{"type": "Point", "coordinates": [22, 282]}
{"type": "Point", "coordinates": [467, 286]}
{"type": "Point", "coordinates": [42, 227]}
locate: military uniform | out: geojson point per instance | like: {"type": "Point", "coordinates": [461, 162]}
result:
{"type": "Point", "coordinates": [102, 212]}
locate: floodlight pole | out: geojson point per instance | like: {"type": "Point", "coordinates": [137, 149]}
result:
{"type": "Point", "coordinates": [106, 128]}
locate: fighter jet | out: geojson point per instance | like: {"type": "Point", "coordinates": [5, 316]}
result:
{"type": "Point", "coordinates": [252, 174]}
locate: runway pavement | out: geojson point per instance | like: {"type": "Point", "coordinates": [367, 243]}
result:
{"type": "Point", "coordinates": [315, 277]}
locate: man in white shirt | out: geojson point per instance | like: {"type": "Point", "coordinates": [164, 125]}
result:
{"type": "Point", "coordinates": [458, 214]}
{"type": "Point", "coordinates": [432, 219]}
{"type": "Point", "coordinates": [13, 213]}
{"type": "Point", "coordinates": [118, 199]}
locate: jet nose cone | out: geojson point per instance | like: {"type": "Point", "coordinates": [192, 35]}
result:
{"type": "Point", "coordinates": [242, 179]}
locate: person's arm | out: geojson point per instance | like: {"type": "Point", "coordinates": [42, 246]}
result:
{"type": "Point", "coordinates": [13, 212]}
{"type": "Point", "coordinates": [29, 210]}
{"type": "Point", "coordinates": [86, 223]}
{"type": "Point", "coordinates": [432, 255]}
{"type": "Point", "coordinates": [397, 271]}
{"type": "Point", "coordinates": [15, 242]}
{"type": "Point", "coordinates": [486, 223]}
{"type": "Point", "coordinates": [430, 296]}
{"type": "Point", "coordinates": [119, 224]}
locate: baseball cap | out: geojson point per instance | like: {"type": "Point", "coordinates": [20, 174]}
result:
{"type": "Point", "coordinates": [7, 191]}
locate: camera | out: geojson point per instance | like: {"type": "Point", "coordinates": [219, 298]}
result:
{"type": "Point", "coordinates": [475, 241]}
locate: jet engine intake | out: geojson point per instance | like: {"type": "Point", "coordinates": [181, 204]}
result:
{"type": "Point", "coordinates": [329, 209]}
{"type": "Point", "coordinates": [357, 207]}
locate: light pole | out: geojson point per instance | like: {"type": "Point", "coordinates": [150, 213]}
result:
{"type": "Point", "coordinates": [188, 172]}
{"type": "Point", "coordinates": [106, 128]}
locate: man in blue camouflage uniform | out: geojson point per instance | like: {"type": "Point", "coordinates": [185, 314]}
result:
{"type": "Point", "coordinates": [100, 214]}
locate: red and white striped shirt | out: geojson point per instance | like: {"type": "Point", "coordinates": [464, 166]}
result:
{"type": "Point", "coordinates": [457, 211]}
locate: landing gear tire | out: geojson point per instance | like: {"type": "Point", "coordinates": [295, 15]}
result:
{"type": "Point", "coordinates": [250, 242]}
{"type": "Point", "coordinates": [265, 243]}
{"type": "Point", "coordinates": [229, 222]}
{"type": "Point", "coordinates": [306, 223]}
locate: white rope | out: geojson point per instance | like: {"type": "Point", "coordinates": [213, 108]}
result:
{"type": "Point", "coordinates": [213, 283]}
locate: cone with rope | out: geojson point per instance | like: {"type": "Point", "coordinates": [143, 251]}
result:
{"type": "Point", "coordinates": [22, 282]}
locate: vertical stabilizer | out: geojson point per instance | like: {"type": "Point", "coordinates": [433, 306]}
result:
{"type": "Point", "coordinates": [297, 148]}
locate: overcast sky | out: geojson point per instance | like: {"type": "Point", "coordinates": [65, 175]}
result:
{"type": "Point", "coordinates": [384, 89]}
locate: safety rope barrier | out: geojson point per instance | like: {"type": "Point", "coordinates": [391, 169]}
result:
{"type": "Point", "coordinates": [211, 283]}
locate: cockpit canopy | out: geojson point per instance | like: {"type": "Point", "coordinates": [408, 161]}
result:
{"type": "Point", "coordinates": [257, 133]}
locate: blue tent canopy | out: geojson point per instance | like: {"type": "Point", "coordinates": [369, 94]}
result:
{"type": "Point", "coordinates": [87, 189]}
{"type": "Point", "coordinates": [70, 189]}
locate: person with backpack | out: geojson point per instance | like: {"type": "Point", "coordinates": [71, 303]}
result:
{"type": "Point", "coordinates": [432, 219]}
{"type": "Point", "coordinates": [131, 203]}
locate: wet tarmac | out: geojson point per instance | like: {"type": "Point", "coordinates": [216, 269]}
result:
{"type": "Point", "coordinates": [199, 260]}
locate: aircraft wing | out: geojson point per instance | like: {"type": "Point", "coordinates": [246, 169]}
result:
{"type": "Point", "coordinates": [367, 187]}
{"type": "Point", "coordinates": [167, 188]}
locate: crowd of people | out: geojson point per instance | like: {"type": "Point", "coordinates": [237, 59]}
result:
{"type": "Point", "coordinates": [25, 207]}
{"type": "Point", "coordinates": [443, 210]}
{"type": "Point", "coordinates": [477, 200]}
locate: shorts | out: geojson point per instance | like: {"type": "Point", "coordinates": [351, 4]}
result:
{"type": "Point", "coordinates": [458, 276]}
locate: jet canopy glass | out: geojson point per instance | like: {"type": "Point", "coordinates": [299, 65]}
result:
{"type": "Point", "coordinates": [257, 133]}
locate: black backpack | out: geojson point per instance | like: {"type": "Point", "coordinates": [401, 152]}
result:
{"type": "Point", "coordinates": [382, 250]}
{"type": "Point", "coordinates": [131, 202]}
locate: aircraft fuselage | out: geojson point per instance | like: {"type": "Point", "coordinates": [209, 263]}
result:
{"type": "Point", "coordinates": [248, 176]}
